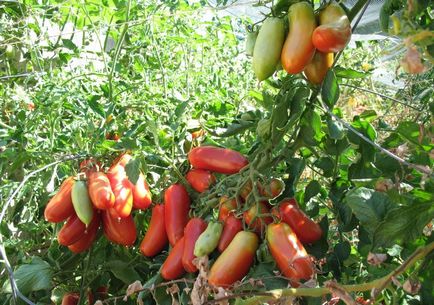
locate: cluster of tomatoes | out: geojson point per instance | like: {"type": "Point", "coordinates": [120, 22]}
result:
{"type": "Point", "coordinates": [309, 44]}
{"type": "Point", "coordinates": [106, 198]}
{"type": "Point", "coordinates": [73, 298]}
{"type": "Point", "coordinates": [109, 198]}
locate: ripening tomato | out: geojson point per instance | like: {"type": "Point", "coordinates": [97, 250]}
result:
{"type": "Point", "coordinates": [334, 31]}
{"type": "Point", "coordinates": [231, 227]}
{"type": "Point", "coordinates": [305, 228]}
{"type": "Point", "coordinates": [119, 230]}
{"type": "Point", "coordinates": [298, 49]}
{"type": "Point", "coordinates": [192, 231]}
{"type": "Point", "coordinates": [254, 217]}
{"type": "Point", "coordinates": [235, 261]}
{"type": "Point", "coordinates": [156, 237]}
{"type": "Point", "coordinates": [142, 197]}
{"type": "Point", "coordinates": [172, 267]}
{"type": "Point", "coordinates": [70, 298]}
{"type": "Point", "coordinates": [71, 231]}
{"type": "Point", "coordinates": [197, 134]}
{"type": "Point", "coordinates": [273, 189]}
{"type": "Point", "coordinates": [227, 206]}
{"type": "Point", "coordinates": [317, 69]}
{"type": "Point", "coordinates": [216, 159]}
{"type": "Point", "coordinates": [87, 239]}
{"type": "Point", "coordinates": [60, 206]}
{"type": "Point", "coordinates": [122, 189]}
{"type": "Point", "coordinates": [100, 191]}
{"type": "Point", "coordinates": [288, 252]}
{"type": "Point", "coordinates": [268, 46]}
{"type": "Point", "coordinates": [83, 206]}
{"type": "Point", "coordinates": [200, 179]}
{"type": "Point", "coordinates": [177, 206]}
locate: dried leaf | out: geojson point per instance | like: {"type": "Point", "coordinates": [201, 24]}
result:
{"type": "Point", "coordinates": [340, 292]}
{"type": "Point", "coordinates": [376, 259]}
{"type": "Point", "coordinates": [132, 289]}
{"type": "Point", "coordinates": [99, 302]}
{"type": "Point", "coordinates": [201, 289]}
{"type": "Point", "coordinates": [411, 62]}
{"type": "Point", "coordinates": [220, 294]}
{"type": "Point", "coordinates": [411, 286]}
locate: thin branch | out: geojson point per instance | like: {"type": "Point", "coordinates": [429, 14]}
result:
{"type": "Point", "coordinates": [381, 95]}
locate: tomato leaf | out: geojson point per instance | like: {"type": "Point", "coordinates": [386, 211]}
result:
{"type": "Point", "coordinates": [348, 73]}
{"type": "Point", "coordinates": [336, 130]}
{"type": "Point", "coordinates": [123, 271]}
{"type": "Point", "coordinates": [133, 170]}
{"type": "Point", "coordinates": [32, 277]}
{"type": "Point", "coordinates": [403, 224]}
{"type": "Point", "coordinates": [370, 207]}
{"type": "Point", "coordinates": [330, 89]}
{"type": "Point", "coordinates": [312, 189]}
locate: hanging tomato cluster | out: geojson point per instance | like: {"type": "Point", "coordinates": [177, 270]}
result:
{"type": "Point", "coordinates": [309, 46]}
{"type": "Point", "coordinates": [109, 198]}
{"type": "Point", "coordinates": [106, 198]}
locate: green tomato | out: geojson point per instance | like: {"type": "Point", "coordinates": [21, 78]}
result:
{"type": "Point", "coordinates": [208, 240]}
{"type": "Point", "coordinates": [268, 47]}
{"type": "Point", "coordinates": [250, 42]}
{"type": "Point", "coordinates": [81, 202]}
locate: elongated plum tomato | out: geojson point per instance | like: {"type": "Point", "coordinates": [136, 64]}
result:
{"type": "Point", "coordinates": [177, 206]}
{"type": "Point", "coordinates": [257, 221]}
{"type": "Point", "coordinates": [273, 189]}
{"type": "Point", "coordinates": [100, 191]}
{"type": "Point", "coordinates": [200, 179]}
{"type": "Point", "coordinates": [235, 261]}
{"type": "Point", "coordinates": [305, 228]}
{"type": "Point", "coordinates": [192, 231]}
{"type": "Point", "coordinates": [226, 207]}
{"type": "Point", "coordinates": [334, 31]}
{"type": "Point", "coordinates": [216, 159]}
{"type": "Point", "coordinates": [87, 239]}
{"type": "Point", "coordinates": [209, 239]}
{"type": "Point", "coordinates": [172, 267]}
{"type": "Point", "coordinates": [142, 197]}
{"type": "Point", "coordinates": [268, 46]}
{"type": "Point", "coordinates": [288, 252]}
{"type": "Point", "coordinates": [60, 206]}
{"type": "Point", "coordinates": [317, 69]}
{"type": "Point", "coordinates": [298, 48]}
{"type": "Point", "coordinates": [231, 227]}
{"type": "Point", "coordinates": [119, 230]}
{"type": "Point", "coordinates": [70, 298]}
{"type": "Point", "coordinates": [71, 231]}
{"type": "Point", "coordinates": [156, 237]}
{"type": "Point", "coordinates": [122, 187]}
{"type": "Point", "coordinates": [81, 201]}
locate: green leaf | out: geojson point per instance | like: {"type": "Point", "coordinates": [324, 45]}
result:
{"type": "Point", "coordinates": [349, 73]}
{"type": "Point", "coordinates": [312, 189]}
{"type": "Point", "coordinates": [95, 106]}
{"type": "Point", "coordinates": [133, 170]}
{"type": "Point", "coordinates": [403, 224]}
{"type": "Point", "coordinates": [330, 89]}
{"type": "Point", "coordinates": [32, 277]}
{"type": "Point", "coordinates": [342, 250]}
{"type": "Point", "coordinates": [336, 130]}
{"type": "Point", "coordinates": [327, 165]}
{"type": "Point", "coordinates": [67, 43]}
{"type": "Point", "coordinates": [266, 270]}
{"type": "Point", "coordinates": [311, 128]}
{"type": "Point", "coordinates": [370, 207]}
{"type": "Point", "coordinates": [235, 128]}
{"type": "Point", "coordinates": [123, 271]}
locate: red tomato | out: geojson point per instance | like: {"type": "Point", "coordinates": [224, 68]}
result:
{"type": "Point", "coordinates": [142, 197]}
{"type": "Point", "coordinates": [257, 222]}
{"type": "Point", "coordinates": [231, 227]}
{"type": "Point", "coordinates": [71, 298]}
{"type": "Point", "coordinates": [71, 231]}
{"type": "Point", "coordinates": [317, 69]}
{"type": "Point", "coordinates": [216, 159]}
{"type": "Point", "coordinates": [101, 293]}
{"type": "Point", "coordinates": [122, 188]}
{"type": "Point", "coordinates": [200, 179]}
{"type": "Point", "coordinates": [192, 230]}
{"type": "Point", "coordinates": [119, 230]}
{"type": "Point", "coordinates": [226, 207]}
{"type": "Point", "coordinates": [305, 228]}
{"type": "Point", "coordinates": [290, 255]}
{"type": "Point", "coordinates": [298, 48]}
{"type": "Point", "coordinates": [172, 267]}
{"type": "Point", "coordinates": [100, 191]}
{"type": "Point", "coordinates": [155, 238]}
{"type": "Point", "coordinates": [246, 189]}
{"type": "Point", "coordinates": [235, 261]}
{"type": "Point", "coordinates": [334, 31]}
{"type": "Point", "coordinates": [60, 206]}
{"type": "Point", "coordinates": [86, 241]}
{"type": "Point", "coordinates": [177, 206]}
